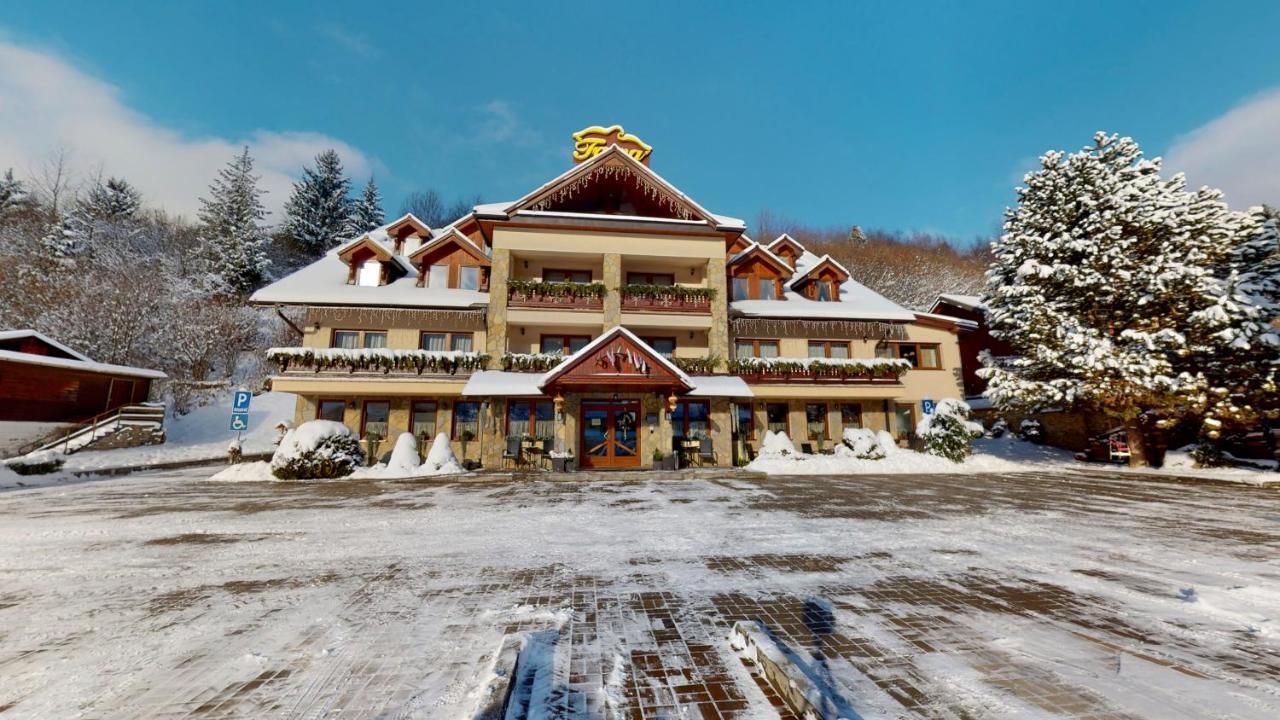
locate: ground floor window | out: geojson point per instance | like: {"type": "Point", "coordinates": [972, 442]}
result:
{"type": "Point", "coordinates": [466, 420]}
{"type": "Point", "coordinates": [745, 421]}
{"type": "Point", "coordinates": [422, 420]}
{"type": "Point", "coordinates": [691, 419]}
{"type": "Point", "coordinates": [331, 410]}
{"type": "Point", "coordinates": [522, 413]}
{"type": "Point", "coordinates": [776, 418]}
{"type": "Point", "coordinates": [815, 415]}
{"type": "Point", "coordinates": [904, 419]}
{"type": "Point", "coordinates": [850, 415]}
{"type": "Point", "coordinates": [375, 417]}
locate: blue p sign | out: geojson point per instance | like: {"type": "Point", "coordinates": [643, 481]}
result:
{"type": "Point", "coordinates": [928, 406]}
{"type": "Point", "coordinates": [240, 403]}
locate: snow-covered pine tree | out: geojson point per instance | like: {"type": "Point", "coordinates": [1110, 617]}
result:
{"type": "Point", "coordinates": [948, 431]}
{"type": "Point", "coordinates": [1100, 272]}
{"type": "Point", "coordinates": [1238, 341]}
{"type": "Point", "coordinates": [14, 196]}
{"type": "Point", "coordinates": [231, 230]}
{"type": "Point", "coordinates": [366, 212]}
{"type": "Point", "coordinates": [109, 209]}
{"type": "Point", "coordinates": [318, 213]}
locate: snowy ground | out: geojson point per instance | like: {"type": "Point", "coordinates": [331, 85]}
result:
{"type": "Point", "coordinates": [1023, 595]}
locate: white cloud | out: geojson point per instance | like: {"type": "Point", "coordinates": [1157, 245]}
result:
{"type": "Point", "coordinates": [1238, 152]}
{"type": "Point", "coordinates": [46, 103]}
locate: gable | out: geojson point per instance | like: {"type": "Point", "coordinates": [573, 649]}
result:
{"type": "Point", "coordinates": [787, 248]}
{"type": "Point", "coordinates": [617, 357]}
{"type": "Point", "coordinates": [407, 226]}
{"type": "Point", "coordinates": [36, 345]}
{"type": "Point", "coordinates": [613, 183]}
{"type": "Point", "coordinates": [758, 262]}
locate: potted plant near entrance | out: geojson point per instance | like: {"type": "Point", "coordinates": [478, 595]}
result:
{"type": "Point", "coordinates": [561, 460]}
{"type": "Point", "coordinates": [663, 462]}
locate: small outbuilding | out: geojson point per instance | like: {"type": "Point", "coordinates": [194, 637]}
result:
{"type": "Point", "coordinates": [42, 380]}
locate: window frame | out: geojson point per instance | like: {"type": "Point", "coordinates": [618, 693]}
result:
{"type": "Point", "coordinates": [435, 412]}
{"type": "Point", "coordinates": [364, 416]}
{"type": "Point", "coordinates": [826, 421]}
{"type": "Point", "coordinates": [896, 353]}
{"type": "Point", "coordinates": [649, 277]}
{"type": "Point", "coordinates": [320, 405]}
{"type": "Point", "coordinates": [755, 346]}
{"type": "Point", "coordinates": [453, 420]}
{"type": "Point", "coordinates": [568, 272]}
{"type": "Point", "coordinates": [649, 340]}
{"type": "Point", "coordinates": [684, 417]}
{"type": "Point", "coordinates": [786, 416]}
{"type": "Point", "coordinates": [448, 338]}
{"type": "Point", "coordinates": [532, 403]}
{"type": "Point", "coordinates": [750, 433]}
{"type": "Point", "coordinates": [448, 276]}
{"type": "Point", "coordinates": [844, 423]}
{"type": "Point", "coordinates": [754, 283]}
{"type": "Point", "coordinates": [479, 277]}
{"type": "Point", "coordinates": [826, 348]}
{"type": "Point", "coordinates": [360, 333]}
{"type": "Point", "coordinates": [565, 350]}
{"type": "Point", "coordinates": [911, 407]}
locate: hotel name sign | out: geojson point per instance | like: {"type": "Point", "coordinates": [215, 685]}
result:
{"type": "Point", "coordinates": [589, 142]}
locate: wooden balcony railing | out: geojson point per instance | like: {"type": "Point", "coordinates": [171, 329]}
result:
{"type": "Point", "coordinates": [567, 295]}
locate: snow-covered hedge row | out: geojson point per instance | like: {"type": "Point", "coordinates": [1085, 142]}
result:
{"type": "Point", "coordinates": [384, 359]}
{"type": "Point", "coordinates": [317, 449]}
{"type": "Point", "coordinates": [839, 367]}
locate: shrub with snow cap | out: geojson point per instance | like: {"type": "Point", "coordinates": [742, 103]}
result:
{"type": "Point", "coordinates": [863, 444]}
{"type": "Point", "coordinates": [440, 458]}
{"type": "Point", "coordinates": [777, 444]}
{"type": "Point", "coordinates": [948, 430]}
{"type": "Point", "coordinates": [317, 449]}
{"type": "Point", "coordinates": [404, 457]}
{"type": "Point", "coordinates": [888, 443]}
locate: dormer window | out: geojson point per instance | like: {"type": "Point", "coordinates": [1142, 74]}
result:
{"type": "Point", "coordinates": [469, 278]}
{"type": "Point", "coordinates": [438, 276]}
{"type": "Point", "coordinates": [370, 273]}
{"type": "Point", "coordinates": [821, 281]}
{"type": "Point", "coordinates": [452, 261]}
{"type": "Point", "coordinates": [824, 290]}
{"type": "Point", "coordinates": [369, 263]}
{"type": "Point", "coordinates": [757, 274]}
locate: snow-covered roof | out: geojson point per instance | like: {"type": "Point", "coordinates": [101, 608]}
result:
{"type": "Point", "coordinates": [324, 282]}
{"type": "Point", "coordinates": [803, 270]}
{"type": "Point", "coordinates": [959, 322]}
{"type": "Point", "coordinates": [80, 361]}
{"type": "Point", "coordinates": [753, 247]}
{"type": "Point", "coordinates": [719, 386]}
{"type": "Point", "coordinates": [28, 333]}
{"type": "Point", "coordinates": [857, 301]}
{"type": "Point", "coordinates": [784, 237]}
{"type": "Point", "coordinates": [969, 302]}
{"type": "Point", "coordinates": [449, 231]}
{"type": "Point", "coordinates": [499, 383]}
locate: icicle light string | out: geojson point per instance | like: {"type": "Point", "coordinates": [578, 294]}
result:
{"type": "Point", "coordinates": [836, 329]}
{"type": "Point", "coordinates": [651, 190]}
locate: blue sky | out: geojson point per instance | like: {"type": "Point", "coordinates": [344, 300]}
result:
{"type": "Point", "coordinates": [885, 115]}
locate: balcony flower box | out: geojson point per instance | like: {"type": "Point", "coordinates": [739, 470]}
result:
{"type": "Point", "coordinates": [532, 293]}
{"type": "Point", "coordinates": [844, 370]}
{"type": "Point", "coordinates": [667, 298]}
{"type": "Point", "coordinates": [384, 360]}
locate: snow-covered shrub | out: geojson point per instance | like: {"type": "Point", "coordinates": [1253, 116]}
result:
{"type": "Point", "coordinates": [777, 444]}
{"type": "Point", "coordinates": [440, 458]}
{"type": "Point", "coordinates": [948, 430]}
{"type": "Point", "coordinates": [404, 457]}
{"type": "Point", "coordinates": [863, 444]}
{"type": "Point", "coordinates": [888, 443]}
{"type": "Point", "coordinates": [317, 449]}
{"type": "Point", "coordinates": [38, 463]}
{"type": "Point", "coordinates": [1031, 431]}
{"type": "Point", "coordinates": [998, 428]}
{"type": "Point", "coordinates": [1207, 453]}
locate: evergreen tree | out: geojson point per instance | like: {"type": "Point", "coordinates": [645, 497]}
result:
{"type": "Point", "coordinates": [107, 211]}
{"type": "Point", "coordinates": [366, 213]}
{"type": "Point", "coordinates": [14, 196]}
{"type": "Point", "coordinates": [318, 213]}
{"type": "Point", "coordinates": [1097, 282]}
{"type": "Point", "coordinates": [947, 431]}
{"type": "Point", "coordinates": [231, 227]}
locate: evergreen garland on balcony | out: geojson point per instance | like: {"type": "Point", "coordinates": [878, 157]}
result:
{"type": "Point", "coordinates": [530, 362]}
{"type": "Point", "coordinates": [556, 289]}
{"type": "Point", "coordinates": [674, 292]}
{"type": "Point", "coordinates": [829, 367]}
{"type": "Point", "coordinates": [696, 365]}
{"type": "Point", "coordinates": [374, 359]}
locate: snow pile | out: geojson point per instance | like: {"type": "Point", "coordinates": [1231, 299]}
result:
{"type": "Point", "coordinates": [1006, 455]}
{"type": "Point", "coordinates": [317, 449]}
{"type": "Point", "coordinates": [440, 459]}
{"type": "Point", "coordinates": [776, 445]}
{"type": "Point", "coordinates": [257, 471]}
{"type": "Point", "coordinates": [861, 443]}
{"type": "Point", "coordinates": [947, 430]}
{"type": "Point", "coordinates": [403, 462]}
{"type": "Point", "coordinates": [405, 455]}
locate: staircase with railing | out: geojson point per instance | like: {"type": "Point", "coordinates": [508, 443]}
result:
{"type": "Point", "coordinates": [146, 418]}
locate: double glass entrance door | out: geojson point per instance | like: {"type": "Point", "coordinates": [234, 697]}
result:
{"type": "Point", "coordinates": [610, 433]}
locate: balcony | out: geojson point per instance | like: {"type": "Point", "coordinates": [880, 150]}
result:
{"type": "Point", "coordinates": [836, 371]}
{"type": "Point", "coordinates": [667, 298]}
{"type": "Point", "coordinates": [296, 361]}
{"type": "Point", "coordinates": [565, 295]}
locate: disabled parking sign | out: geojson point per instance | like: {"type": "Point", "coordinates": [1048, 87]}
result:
{"type": "Point", "coordinates": [239, 422]}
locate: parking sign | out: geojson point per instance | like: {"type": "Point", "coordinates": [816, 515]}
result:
{"type": "Point", "coordinates": [240, 422]}
{"type": "Point", "coordinates": [240, 403]}
{"type": "Point", "coordinates": [928, 406]}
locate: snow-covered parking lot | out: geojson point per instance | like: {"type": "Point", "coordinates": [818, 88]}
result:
{"type": "Point", "coordinates": [1020, 595]}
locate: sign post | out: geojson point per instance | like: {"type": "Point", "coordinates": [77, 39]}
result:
{"type": "Point", "coordinates": [240, 412]}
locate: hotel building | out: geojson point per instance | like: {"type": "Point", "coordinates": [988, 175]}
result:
{"type": "Point", "coordinates": [609, 316]}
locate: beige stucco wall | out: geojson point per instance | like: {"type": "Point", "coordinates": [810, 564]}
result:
{"type": "Point", "coordinates": [402, 333]}
{"type": "Point", "coordinates": [571, 242]}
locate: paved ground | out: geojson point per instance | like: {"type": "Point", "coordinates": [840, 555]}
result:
{"type": "Point", "coordinates": [987, 596]}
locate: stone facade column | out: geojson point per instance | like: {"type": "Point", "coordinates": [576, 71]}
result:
{"type": "Point", "coordinates": [722, 430]}
{"type": "Point", "coordinates": [496, 335]}
{"type": "Point", "coordinates": [612, 280]}
{"type": "Point", "coordinates": [718, 335]}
